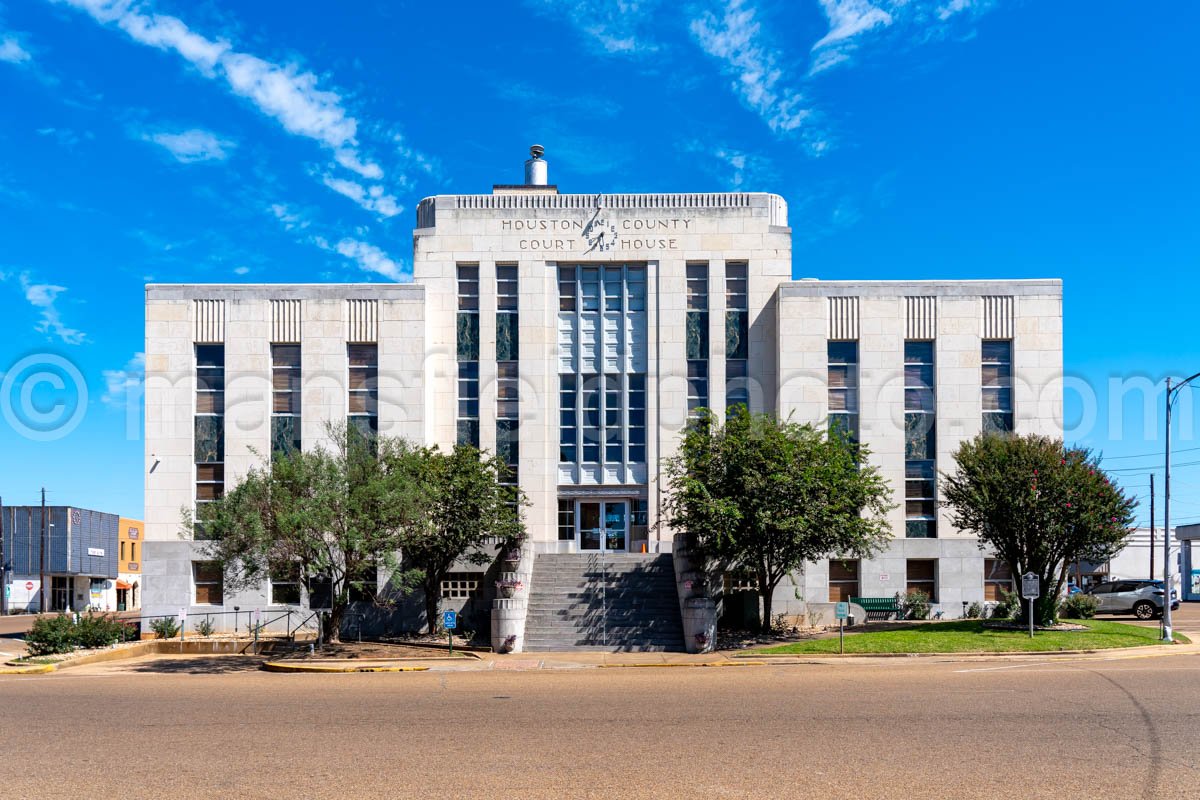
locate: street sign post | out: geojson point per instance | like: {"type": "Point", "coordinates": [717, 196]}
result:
{"type": "Point", "coordinates": [1030, 590]}
{"type": "Point", "coordinates": [450, 622]}
{"type": "Point", "coordinates": [841, 611]}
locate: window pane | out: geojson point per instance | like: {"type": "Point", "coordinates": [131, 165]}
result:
{"type": "Point", "coordinates": [285, 355]}
{"type": "Point", "coordinates": [468, 337]}
{"type": "Point", "coordinates": [209, 439]}
{"type": "Point", "coordinates": [362, 355]}
{"type": "Point", "coordinates": [920, 441]}
{"type": "Point", "coordinates": [506, 337]}
{"type": "Point", "coordinates": [843, 352]}
{"type": "Point", "coordinates": [285, 434]}
{"type": "Point", "coordinates": [210, 355]}
{"type": "Point", "coordinates": [918, 352]}
{"type": "Point", "coordinates": [995, 350]}
{"type": "Point", "coordinates": [697, 334]}
{"type": "Point", "coordinates": [210, 403]}
{"type": "Point", "coordinates": [736, 338]}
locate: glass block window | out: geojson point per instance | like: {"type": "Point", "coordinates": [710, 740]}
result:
{"type": "Point", "coordinates": [602, 362]}
{"type": "Point", "coordinates": [920, 441]}
{"type": "Point", "coordinates": [997, 380]}
{"type": "Point", "coordinates": [467, 350]}
{"type": "Point", "coordinates": [566, 520]}
{"type": "Point", "coordinates": [697, 337]}
{"type": "Point", "coordinates": [208, 430]}
{"type": "Point", "coordinates": [922, 577]}
{"type": "Point", "coordinates": [285, 398]}
{"type": "Point", "coordinates": [737, 335]}
{"type": "Point", "coordinates": [461, 585]}
{"type": "Point", "coordinates": [843, 389]}
{"type": "Point", "coordinates": [363, 394]}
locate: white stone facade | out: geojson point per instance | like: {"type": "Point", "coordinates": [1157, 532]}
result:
{"type": "Point", "coordinates": [540, 231]}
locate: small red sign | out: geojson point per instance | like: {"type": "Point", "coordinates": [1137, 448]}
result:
{"type": "Point", "coordinates": [29, 586]}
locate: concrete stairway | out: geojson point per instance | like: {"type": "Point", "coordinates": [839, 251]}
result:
{"type": "Point", "coordinates": [624, 602]}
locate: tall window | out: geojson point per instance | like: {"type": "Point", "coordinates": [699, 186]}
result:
{"type": "Point", "coordinates": [208, 582]}
{"type": "Point", "coordinates": [843, 389]}
{"type": "Point", "coordinates": [697, 337]}
{"type": "Point", "coordinates": [467, 348]}
{"type": "Point", "coordinates": [566, 520]}
{"type": "Point", "coordinates": [285, 585]}
{"type": "Point", "coordinates": [920, 441]}
{"type": "Point", "coordinates": [209, 429]}
{"type": "Point", "coordinates": [602, 363]}
{"type": "Point", "coordinates": [737, 336]}
{"type": "Point", "coordinates": [997, 578]}
{"type": "Point", "coordinates": [285, 398]}
{"type": "Point", "coordinates": [997, 386]}
{"type": "Point", "coordinates": [843, 580]}
{"type": "Point", "coordinates": [922, 577]}
{"type": "Point", "coordinates": [507, 372]}
{"type": "Point", "coordinates": [364, 387]}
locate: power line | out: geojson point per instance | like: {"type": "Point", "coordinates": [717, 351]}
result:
{"type": "Point", "coordinates": [1159, 454]}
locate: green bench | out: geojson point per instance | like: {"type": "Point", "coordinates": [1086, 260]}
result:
{"type": "Point", "coordinates": [878, 607]}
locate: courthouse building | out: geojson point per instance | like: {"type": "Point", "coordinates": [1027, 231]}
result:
{"type": "Point", "coordinates": [574, 335]}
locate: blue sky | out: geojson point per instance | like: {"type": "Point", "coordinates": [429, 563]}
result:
{"type": "Point", "coordinates": [285, 141]}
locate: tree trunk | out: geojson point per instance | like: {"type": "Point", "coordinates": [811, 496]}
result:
{"type": "Point", "coordinates": [432, 601]}
{"type": "Point", "coordinates": [333, 629]}
{"type": "Point", "coordinates": [765, 593]}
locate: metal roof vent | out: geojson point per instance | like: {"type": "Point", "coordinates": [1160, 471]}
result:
{"type": "Point", "coordinates": [536, 173]}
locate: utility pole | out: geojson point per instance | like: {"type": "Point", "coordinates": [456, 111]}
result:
{"type": "Point", "coordinates": [1152, 525]}
{"type": "Point", "coordinates": [42, 560]}
{"type": "Point", "coordinates": [3, 567]}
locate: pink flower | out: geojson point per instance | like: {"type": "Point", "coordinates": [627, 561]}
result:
{"type": "Point", "coordinates": [1068, 505]}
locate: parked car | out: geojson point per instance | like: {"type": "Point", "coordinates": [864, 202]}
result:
{"type": "Point", "coordinates": [1143, 598]}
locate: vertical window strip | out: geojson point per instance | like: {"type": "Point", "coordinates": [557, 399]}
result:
{"type": "Point", "coordinates": [843, 388]}
{"type": "Point", "coordinates": [920, 441]}
{"type": "Point", "coordinates": [602, 401]}
{"type": "Point", "coordinates": [737, 335]}
{"type": "Point", "coordinates": [697, 337]}
{"type": "Point", "coordinates": [467, 350]}
{"type": "Point", "coordinates": [507, 372]}
{"type": "Point", "coordinates": [363, 392]}
{"type": "Point", "coordinates": [285, 399]}
{"type": "Point", "coordinates": [997, 386]}
{"type": "Point", "coordinates": [209, 430]}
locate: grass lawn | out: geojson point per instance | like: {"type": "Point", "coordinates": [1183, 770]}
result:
{"type": "Point", "coordinates": [970, 636]}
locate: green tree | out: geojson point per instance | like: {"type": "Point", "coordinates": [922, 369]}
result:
{"type": "Point", "coordinates": [1039, 505]}
{"type": "Point", "coordinates": [465, 508]}
{"type": "Point", "coordinates": [337, 515]}
{"type": "Point", "coordinates": [769, 495]}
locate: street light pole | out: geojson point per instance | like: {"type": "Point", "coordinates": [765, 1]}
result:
{"type": "Point", "coordinates": [1166, 626]}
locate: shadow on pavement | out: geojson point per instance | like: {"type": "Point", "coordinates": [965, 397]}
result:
{"type": "Point", "coordinates": [198, 665]}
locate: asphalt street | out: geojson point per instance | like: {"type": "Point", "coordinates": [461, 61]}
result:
{"type": "Point", "coordinates": [1116, 727]}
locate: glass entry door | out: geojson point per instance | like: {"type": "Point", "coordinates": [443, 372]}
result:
{"type": "Point", "coordinates": [604, 526]}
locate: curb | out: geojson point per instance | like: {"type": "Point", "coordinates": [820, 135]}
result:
{"type": "Point", "coordinates": [1159, 649]}
{"type": "Point", "coordinates": [33, 669]}
{"type": "Point", "coordinates": [275, 666]}
{"type": "Point", "coordinates": [696, 664]}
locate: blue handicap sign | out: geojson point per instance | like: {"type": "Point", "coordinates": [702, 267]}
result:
{"type": "Point", "coordinates": [842, 611]}
{"type": "Point", "coordinates": [449, 620]}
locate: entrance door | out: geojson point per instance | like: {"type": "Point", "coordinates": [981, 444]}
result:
{"type": "Point", "coordinates": [604, 526]}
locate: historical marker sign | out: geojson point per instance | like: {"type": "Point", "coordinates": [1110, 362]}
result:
{"type": "Point", "coordinates": [1029, 586]}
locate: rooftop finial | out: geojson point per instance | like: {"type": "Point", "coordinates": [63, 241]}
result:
{"type": "Point", "coordinates": [537, 151]}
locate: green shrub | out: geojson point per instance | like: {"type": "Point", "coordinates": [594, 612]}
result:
{"type": "Point", "coordinates": [914, 605]}
{"type": "Point", "coordinates": [205, 627]}
{"type": "Point", "coordinates": [975, 611]}
{"type": "Point", "coordinates": [1009, 605]}
{"type": "Point", "coordinates": [165, 628]}
{"type": "Point", "coordinates": [1079, 606]}
{"type": "Point", "coordinates": [50, 635]}
{"type": "Point", "coordinates": [99, 630]}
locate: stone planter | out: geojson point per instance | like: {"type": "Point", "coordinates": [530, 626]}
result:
{"type": "Point", "coordinates": [693, 583]}
{"type": "Point", "coordinates": [508, 626]}
{"type": "Point", "coordinates": [700, 624]}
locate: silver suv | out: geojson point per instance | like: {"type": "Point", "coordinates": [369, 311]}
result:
{"type": "Point", "coordinates": [1144, 598]}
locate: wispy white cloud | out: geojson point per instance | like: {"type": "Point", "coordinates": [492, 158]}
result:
{"type": "Point", "coordinates": [610, 26]}
{"type": "Point", "coordinates": [12, 51]}
{"type": "Point", "coordinates": [736, 169]}
{"type": "Point", "coordinates": [736, 38]}
{"type": "Point", "coordinates": [241, 271]}
{"type": "Point", "coordinates": [286, 92]}
{"type": "Point", "coordinates": [372, 198]}
{"type": "Point", "coordinates": [288, 217]}
{"type": "Point", "coordinates": [848, 19]}
{"type": "Point", "coordinates": [122, 385]}
{"type": "Point", "coordinates": [191, 146]}
{"type": "Point", "coordinates": [43, 297]}
{"type": "Point", "coordinates": [370, 258]}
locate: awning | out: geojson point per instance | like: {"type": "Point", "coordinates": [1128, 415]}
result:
{"type": "Point", "coordinates": [123, 585]}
